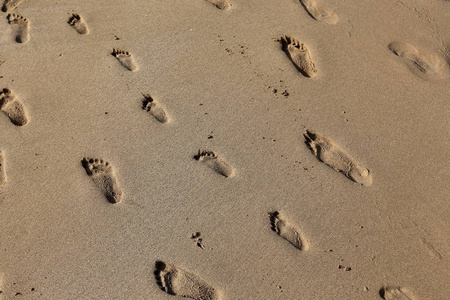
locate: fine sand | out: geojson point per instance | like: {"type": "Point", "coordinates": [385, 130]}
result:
{"type": "Point", "coordinates": [225, 149]}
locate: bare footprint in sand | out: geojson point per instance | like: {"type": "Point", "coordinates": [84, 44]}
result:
{"type": "Point", "coordinates": [9, 5]}
{"type": "Point", "coordinates": [287, 231]}
{"type": "Point", "coordinates": [2, 169]}
{"type": "Point", "coordinates": [333, 156]}
{"type": "Point", "coordinates": [215, 163]}
{"type": "Point", "coordinates": [299, 55]}
{"type": "Point", "coordinates": [155, 109]}
{"type": "Point", "coordinates": [77, 22]}
{"type": "Point", "coordinates": [176, 281]}
{"type": "Point", "coordinates": [102, 173]}
{"type": "Point", "coordinates": [20, 25]}
{"type": "Point", "coordinates": [12, 107]}
{"type": "Point", "coordinates": [395, 294]}
{"type": "Point", "coordinates": [430, 64]}
{"type": "Point", "coordinates": [125, 59]}
{"type": "Point", "coordinates": [221, 4]}
{"type": "Point", "coordinates": [320, 12]}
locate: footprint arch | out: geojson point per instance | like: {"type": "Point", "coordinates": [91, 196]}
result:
{"type": "Point", "coordinates": [320, 12]}
{"type": "Point", "coordinates": [333, 156]}
{"type": "Point", "coordinates": [396, 293]}
{"type": "Point", "coordinates": [287, 230]}
{"type": "Point", "coordinates": [77, 22]}
{"type": "Point", "coordinates": [299, 55]}
{"type": "Point", "coordinates": [125, 58]}
{"type": "Point", "coordinates": [13, 107]}
{"type": "Point", "coordinates": [155, 109]}
{"type": "Point", "coordinates": [104, 177]}
{"type": "Point", "coordinates": [176, 281]}
{"type": "Point", "coordinates": [212, 160]}
{"type": "Point", "coordinates": [20, 25]}
{"type": "Point", "coordinates": [221, 4]}
{"type": "Point", "coordinates": [431, 65]}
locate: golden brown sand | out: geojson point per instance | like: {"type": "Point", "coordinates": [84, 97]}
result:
{"type": "Point", "coordinates": [168, 149]}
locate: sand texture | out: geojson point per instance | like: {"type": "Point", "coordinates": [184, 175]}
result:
{"type": "Point", "coordinates": [225, 149]}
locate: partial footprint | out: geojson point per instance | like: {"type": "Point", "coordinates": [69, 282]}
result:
{"type": "Point", "coordinates": [20, 25]}
{"type": "Point", "coordinates": [155, 109]}
{"type": "Point", "coordinates": [198, 240]}
{"type": "Point", "coordinates": [287, 231]}
{"type": "Point", "coordinates": [13, 107]}
{"type": "Point", "coordinates": [9, 5]}
{"type": "Point", "coordinates": [329, 153]}
{"type": "Point", "coordinates": [2, 169]}
{"type": "Point", "coordinates": [221, 4]}
{"type": "Point", "coordinates": [176, 281]}
{"type": "Point", "coordinates": [215, 163]}
{"type": "Point", "coordinates": [299, 55]}
{"type": "Point", "coordinates": [79, 24]}
{"type": "Point", "coordinates": [320, 12]}
{"type": "Point", "coordinates": [395, 294]}
{"type": "Point", "coordinates": [125, 59]}
{"type": "Point", "coordinates": [430, 64]}
{"type": "Point", "coordinates": [103, 175]}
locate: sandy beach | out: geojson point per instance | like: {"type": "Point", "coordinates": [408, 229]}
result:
{"type": "Point", "coordinates": [225, 149]}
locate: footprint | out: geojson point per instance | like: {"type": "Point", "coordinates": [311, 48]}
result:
{"type": "Point", "coordinates": [9, 5]}
{"type": "Point", "coordinates": [2, 169]}
{"type": "Point", "coordinates": [221, 4]}
{"type": "Point", "coordinates": [155, 109]}
{"type": "Point", "coordinates": [103, 175]}
{"type": "Point", "coordinates": [430, 64]}
{"type": "Point", "coordinates": [176, 281]}
{"type": "Point", "coordinates": [125, 59]}
{"type": "Point", "coordinates": [13, 107]}
{"type": "Point", "coordinates": [79, 24]}
{"type": "Point", "coordinates": [20, 24]}
{"type": "Point", "coordinates": [215, 163]}
{"type": "Point", "coordinates": [395, 294]}
{"type": "Point", "coordinates": [299, 55]}
{"type": "Point", "coordinates": [329, 153]}
{"type": "Point", "coordinates": [320, 12]}
{"type": "Point", "coordinates": [198, 240]}
{"type": "Point", "coordinates": [287, 231]}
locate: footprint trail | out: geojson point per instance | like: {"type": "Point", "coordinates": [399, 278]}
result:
{"type": "Point", "coordinates": [12, 107]}
{"type": "Point", "coordinates": [299, 55]}
{"type": "Point", "coordinates": [333, 156]}
{"type": "Point", "coordinates": [176, 281]}
{"type": "Point", "coordinates": [77, 22]}
{"type": "Point", "coordinates": [215, 163]}
{"type": "Point", "coordinates": [320, 12]}
{"type": "Point", "coordinates": [102, 173]}
{"type": "Point", "coordinates": [20, 25]}
{"type": "Point", "coordinates": [155, 109]}
{"type": "Point", "coordinates": [288, 231]}
{"type": "Point", "coordinates": [125, 58]}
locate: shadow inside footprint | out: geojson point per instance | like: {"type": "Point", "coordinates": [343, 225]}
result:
{"type": "Point", "coordinates": [160, 266]}
{"type": "Point", "coordinates": [299, 55]}
{"type": "Point", "coordinates": [176, 281]}
{"type": "Point", "coordinates": [103, 175]}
